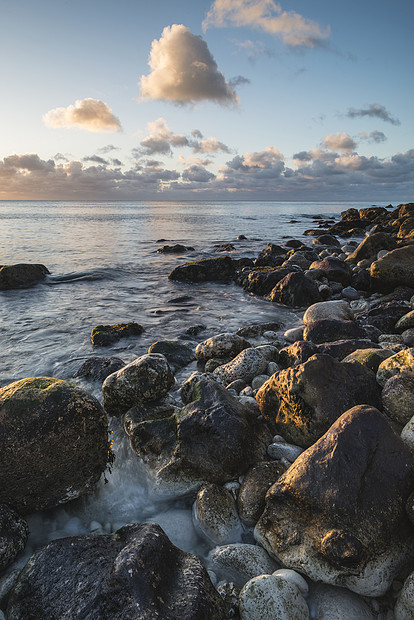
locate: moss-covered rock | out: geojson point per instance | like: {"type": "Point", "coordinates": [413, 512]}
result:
{"type": "Point", "coordinates": [13, 535]}
{"type": "Point", "coordinates": [105, 335]}
{"type": "Point", "coordinates": [205, 270]}
{"type": "Point", "coordinates": [21, 275]}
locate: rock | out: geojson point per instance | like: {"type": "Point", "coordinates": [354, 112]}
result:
{"type": "Point", "coordinates": [395, 269]}
{"type": "Point", "coordinates": [49, 427]}
{"type": "Point", "coordinates": [342, 348]}
{"type": "Point", "coordinates": [349, 292]}
{"type": "Point", "coordinates": [371, 245]}
{"type": "Point", "coordinates": [270, 256]}
{"type": "Point", "coordinates": [246, 365]}
{"type": "Point", "coordinates": [147, 378]}
{"type": "Point", "coordinates": [326, 239]}
{"type": "Point", "coordinates": [257, 329]}
{"type": "Point", "coordinates": [386, 314]}
{"type": "Point", "coordinates": [174, 249]}
{"type": "Point", "coordinates": [404, 607]}
{"type": "Point", "coordinates": [98, 368]}
{"type": "Point", "coordinates": [221, 346]}
{"type": "Point", "coordinates": [405, 322]}
{"type": "Point", "coordinates": [155, 410]}
{"type": "Point", "coordinates": [360, 279]}
{"type": "Point", "coordinates": [21, 275]}
{"type": "Point", "coordinates": [219, 269]}
{"type": "Point", "coordinates": [302, 402]}
{"type": "Point", "coordinates": [370, 358]}
{"type": "Point", "coordinates": [194, 330]}
{"type": "Point", "coordinates": [188, 386]}
{"type": "Point", "coordinates": [293, 577]}
{"type": "Point", "coordinates": [294, 334]}
{"type": "Point", "coordinates": [261, 281]}
{"type": "Point", "coordinates": [407, 228]}
{"type": "Point", "coordinates": [329, 330]}
{"type": "Point", "coordinates": [297, 353]}
{"type": "Point", "coordinates": [398, 397]}
{"type": "Point", "coordinates": [242, 562]}
{"type": "Point", "coordinates": [268, 597]}
{"type": "Point", "coordinates": [333, 603]}
{"type": "Point", "coordinates": [334, 269]}
{"type": "Point", "coordinates": [372, 213]}
{"type": "Point", "coordinates": [215, 515]}
{"type": "Point", "coordinates": [258, 381]}
{"type": "Point", "coordinates": [13, 535]}
{"type": "Point", "coordinates": [283, 450]}
{"type": "Point", "coordinates": [317, 519]}
{"type": "Point", "coordinates": [133, 573]}
{"type": "Point", "coordinates": [105, 335]}
{"type": "Point", "coordinates": [401, 362]}
{"type": "Point", "coordinates": [255, 484]}
{"type": "Point", "coordinates": [295, 290]}
{"type": "Point", "coordinates": [176, 353]}
{"type": "Point", "coordinates": [212, 439]}
{"type": "Point", "coordinates": [408, 337]}
{"type": "Point", "coordinates": [337, 309]}
{"type": "Point", "coordinates": [300, 259]}
{"type": "Point", "coordinates": [7, 583]}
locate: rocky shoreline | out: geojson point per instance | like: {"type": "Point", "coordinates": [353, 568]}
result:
{"type": "Point", "coordinates": [297, 446]}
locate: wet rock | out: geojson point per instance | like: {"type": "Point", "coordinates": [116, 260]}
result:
{"type": "Point", "coordinates": [337, 309]}
{"type": "Point", "coordinates": [370, 358]}
{"type": "Point", "coordinates": [398, 397]}
{"type": "Point", "coordinates": [404, 607]}
{"type": "Point", "coordinates": [219, 269]}
{"type": "Point", "coordinates": [212, 439]}
{"type": "Point", "coordinates": [327, 239]}
{"type": "Point", "coordinates": [360, 279]}
{"type": "Point", "coordinates": [224, 345]}
{"type": "Point", "coordinates": [350, 293]}
{"type": "Point", "coordinates": [297, 353]}
{"type": "Point", "coordinates": [105, 335]}
{"type": "Point", "coordinates": [194, 330]}
{"type": "Point", "coordinates": [242, 562]}
{"type": "Point", "coordinates": [268, 597]}
{"type": "Point", "coordinates": [174, 249]}
{"type": "Point", "coordinates": [186, 392]}
{"type": "Point", "coordinates": [215, 515]}
{"type": "Point", "coordinates": [300, 259]}
{"type": "Point", "coordinates": [395, 269]}
{"type": "Point", "coordinates": [262, 281]}
{"type": "Point", "coordinates": [270, 256]}
{"type": "Point", "coordinates": [281, 450]}
{"type": "Point", "coordinates": [334, 269]}
{"type": "Point", "coordinates": [294, 334]}
{"type": "Point", "coordinates": [332, 603]}
{"type": "Point", "coordinates": [257, 329]}
{"type": "Point", "coordinates": [7, 583]}
{"type": "Point", "coordinates": [246, 365]}
{"type": "Point", "coordinates": [295, 290]}
{"type": "Point", "coordinates": [385, 314]}
{"type": "Point", "coordinates": [255, 484]}
{"type": "Point", "coordinates": [13, 535]}
{"type": "Point", "coordinates": [302, 402]}
{"type": "Point", "coordinates": [401, 362]}
{"type": "Point", "coordinates": [371, 245]}
{"type": "Point", "coordinates": [258, 381]}
{"type": "Point", "coordinates": [98, 368]}
{"type": "Point", "coordinates": [224, 247]}
{"type": "Point", "coordinates": [155, 410]}
{"type": "Point", "coordinates": [148, 378]}
{"type": "Point", "coordinates": [329, 330]}
{"type": "Point", "coordinates": [338, 512]}
{"type": "Point", "coordinates": [176, 353]}
{"type": "Point", "coordinates": [21, 275]}
{"type": "Point", "coordinates": [290, 575]}
{"type": "Point", "coordinates": [47, 428]}
{"type": "Point", "coordinates": [342, 348]}
{"type": "Point", "coordinates": [405, 322]}
{"type": "Point", "coordinates": [408, 337]}
{"type": "Point", "coordinates": [135, 572]}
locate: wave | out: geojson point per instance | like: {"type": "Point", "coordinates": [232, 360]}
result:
{"type": "Point", "coordinates": [91, 275]}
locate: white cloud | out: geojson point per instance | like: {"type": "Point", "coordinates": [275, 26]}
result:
{"type": "Point", "coordinates": [374, 110]}
{"type": "Point", "coordinates": [209, 145]}
{"type": "Point", "coordinates": [161, 138]}
{"type": "Point", "coordinates": [89, 114]}
{"type": "Point", "coordinates": [183, 70]}
{"type": "Point", "coordinates": [339, 141]}
{"type": "Point", "coordinates": [267, 15]}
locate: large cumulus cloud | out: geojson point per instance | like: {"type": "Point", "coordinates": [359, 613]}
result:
{"type": "Point", "coordinates": [89, 114]}
{"type": "Point", "coordinates": [183, 70]}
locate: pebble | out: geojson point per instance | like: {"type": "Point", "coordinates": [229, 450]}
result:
{"type": "Point", "coordinates": [284, 450]}
{"type": "Point", "coordinates": [242, 562]}
{"type": "Point", "coordinates": [215, 514]}
{"type": "Point", "coordinates": [268, 597]}
{"type": "Point", "coordinates": [259, 381]}
{"type": "Point", "coordinates": [293, 577]}
{"type": "Point", "coordinates": [328, 602]}
{"type": "Point", "coordinates": [272, 367]}
{"type": "Point", "coordinates": [349, 292]}
{"type": "Point", "coordinates": [294, 334]}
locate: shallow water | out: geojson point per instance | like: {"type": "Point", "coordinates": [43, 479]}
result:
{"type": "Point", "coordinates": [105, 269]}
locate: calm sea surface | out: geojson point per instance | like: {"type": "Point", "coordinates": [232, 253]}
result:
{"type": "Point", "coordinates": [105, 269]}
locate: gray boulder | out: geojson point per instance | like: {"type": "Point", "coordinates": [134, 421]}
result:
{"type": "Point", "coordinates": [205, 270]}
{"type": "Point", "coordinates": [295, 290]}
{"type": "Point", "coordinates": [178, 354]}
{"type": "Point", "coordinates": [246, 365]}
{"type": "Point", "coordinates": [329, 330]}
{"type": "Point", "coordinates": [21, 275]}
{"type": "Point", "coordinates": [394, 269]}
{"type": "Point", "coordinates": [13, 535]}
{"type": "Point", "coordinates": [224, 345]}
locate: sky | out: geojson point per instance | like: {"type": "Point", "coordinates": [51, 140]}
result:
{"type": "Point", "coordinates": [209, 100]}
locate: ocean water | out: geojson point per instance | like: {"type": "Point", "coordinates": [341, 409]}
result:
{"type": "Point", "coordinates": [105, 269]}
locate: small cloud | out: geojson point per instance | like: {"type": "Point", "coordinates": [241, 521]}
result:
{"type": "Point", "coordinates": [238, 80]}
{"type": "Point", "coordinates": [374, 110]}
{"type": "Point", "coordinates": [209, 145]}
{"type": "Point", "coordinates": [161, 138]}
{"type": "Point", "coordinates": [60, 157]}
{"type": "Point", "coordinates": [108, 148]}
{"type": "Point", "coordinates": [116, 162]}
{"type": "Point", "coordinates": [373, 137]}
{"type": "Point", "coordinates": [339, 141]}
{"type": "Point", "coordinates": [89, 114]}
{"type": "Point", "coordinates": [294, 29]}
{"type": "Point", "coordinates": [183, 71]}
{"type": "Point", "coordinates": [196, 133]}
{"type": "Point", "coordinates": [253, 49]}
{"type": "Point", "coordinates": [96, 159]}
{"type": "Point", "coordinates": [302, 156]}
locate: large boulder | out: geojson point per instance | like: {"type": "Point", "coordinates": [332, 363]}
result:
{"type": "Point", "coordinates": [337, 309]}
{"type": "Point", "coordinates": [146, 379]}
{"type": "Point", "coordinates": [401, 362]}
{"type": "Point", "coordinates": [212, 439]}
{"type": "Point", "coordinates": [302, 402]}
{"type": "Point", "coordinates": [261, 281]}
{"type": "Point", "coordinates": [105, 335]}
{"type": "Point", "coordinates": [177, 354]}
{"type": "Point", "coordinates": [337, 514]}
{"type": "Point", "coordinates": [334, 269]}
{"type": "Point", "coordinates": [21, 275]}
{"type": "Point", "coordinates": [270, 256]}
{"type": "Point", "coordinates": [53, 443]}
{"type": "Point", "coordinates": [295, 290]}
{"type": "Point", "coordinates": [98, 368]}
{"type": "Point", "coordinates": [398, 397]}
{"type": "Point", "coordinates": [205, 270]}
{"type": "Point", "coordinates": [330, 330]}
{"type": "Point", "coordinates": [135, 573]}
{"type": "Point", "coordinates": [396, 268]}
{"type": "Point", "coordinates": [371, 245]}
{"type": "Point", "coordinates": [224, 345]}
{"type": "Point", "coordinates": [386, 314]}
{"type": "Point", "coordinates": [13, 535]}
{"type": "Point", "coordinates": [246, 365]}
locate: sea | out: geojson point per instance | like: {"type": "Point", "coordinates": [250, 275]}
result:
{"type": "Point", "coordinates": [105, 269]}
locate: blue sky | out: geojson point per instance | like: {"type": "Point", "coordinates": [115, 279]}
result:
{"type": "Point", "coordinates": [224, 99]}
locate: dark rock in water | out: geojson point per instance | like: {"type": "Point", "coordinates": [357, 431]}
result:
{"type": "Point", "coordinates": [194, 330]}
{"type": "Point", "coordinates": [394, 269]}
{"type": "Point", "coordinates": [334, 269]}
{"type": "Point", "coordinates": [341, 348]}
{"type": "Point", "coordinates": [156, 410]}
{"type": "Point", "coordinates": [99, 368]}
{"type": "Point", "coordinates": [174, 249]}
{"type": "Point", "coordinates": [329, 330]}
{"type": "Point", "coordinates": [348, 228]}
{"type": "Point", "coordinates": [297, 353]}
{"type": "Point", "coordinates": [270, 256]}
{"type": "Point", "coordinates": [13, 535]}
{"type": "Point", "coordinates": [53, 443]}
{"type": "Point", "coordinates": [224, 247]}
{"type": "Point", "coordinates": [371, 245]}
{"type": "Point", "coordinates": [241, 238]}
{"type": "Point", "coordinates": [261, 281]}
{"type": "Point", "coordinates": [105, 335]}
{"type": "Point", "coordinates": [302, 402]}
{"type": "Point", "coordinates": [293, 243]}
{"type": "Point", "coordinates": [145, 379]}
{"type": "Point", "coordinates": [257, 329]}
{"type": "Point", "coordinates": [295, 290]}
{"type": "Point", "coordinates": [327, 239]}
{"type": "Point", "coordinates": [350, 214]}
{"type": "Point", "coordinates": [135, 573]}
{"type": "Point", "coordinates": [338, 514]}
{"type": "Point", "coordinates": [385, 315]}
{"type": "Point", "coordinates": [21, 275]}
{"type": "Point", "coordinates": [205, 270]}
{"type": "Point", "coordinates": [176, 353]}
{"type": "Point", "coordinates": [372, 213]}
{"type": "Point", "coordinates": [212, 439]}
{"type": "Point", "coordinates": [255, 485]}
